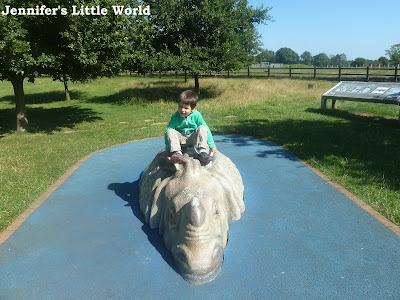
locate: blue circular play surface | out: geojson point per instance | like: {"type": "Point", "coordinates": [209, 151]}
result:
{"type": "Point", "coordinates": [299, 237]}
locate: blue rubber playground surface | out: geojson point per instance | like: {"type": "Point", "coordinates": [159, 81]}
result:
{"type": "Point", "coordinates": [299, 237]}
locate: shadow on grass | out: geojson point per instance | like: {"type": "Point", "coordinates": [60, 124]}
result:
{"type": "Point", "coordinates": [362, 147]}
{"type": "Point", "coordinates": [153, 92]}
{"type": "Point", "coordinates": [42, 98]}
{"type": "Point", "coordinates": [368, 118]}
{"type": "Point", "coordinates": [47, 120]}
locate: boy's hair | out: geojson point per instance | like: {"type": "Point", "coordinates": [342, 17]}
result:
{"type": "Point", "coordinates": [189, 97]}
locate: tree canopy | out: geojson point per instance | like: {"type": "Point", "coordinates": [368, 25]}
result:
{"type": "Point", "coordinates": [358, 62]}
{"type": "Point", "coordinates": [266, 56]}
{"type": "Point", "coordinates": [321, 60]}
{"type": "Point", "coordinates": [286, 56]}
{"type": "Point", "coordinates": [306, 58]}
{"type": "Point", "coordinates": [202, 35]}
{"type": "Point", "coordinates": [383, 60]}
{"type": "Point", "coordinates": [339, 59]}
{"type": "Point", "coordinates": [394, 53]}
{"type": "Point", "coordinates": [81, 47]}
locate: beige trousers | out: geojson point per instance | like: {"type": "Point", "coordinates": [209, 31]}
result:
{"type": "Point", "coordinates": [197, 139]}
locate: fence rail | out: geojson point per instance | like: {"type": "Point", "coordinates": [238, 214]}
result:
{"type": "Point", "coordinates": [333, 73]}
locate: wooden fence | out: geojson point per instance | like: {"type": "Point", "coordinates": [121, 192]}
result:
{"type": "Point", "coordinates": [335, 73]}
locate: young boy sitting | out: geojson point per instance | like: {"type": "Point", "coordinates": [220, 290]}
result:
{"type": "Point", "coordinates": [187, 127]}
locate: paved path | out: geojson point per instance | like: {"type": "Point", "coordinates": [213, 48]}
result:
{"type": "Point", "coordinates": [299, 237]}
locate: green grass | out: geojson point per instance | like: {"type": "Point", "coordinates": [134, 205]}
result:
{"type": "Point", "coordinates": [356, 145]}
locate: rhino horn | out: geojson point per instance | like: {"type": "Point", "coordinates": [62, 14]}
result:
{"type": "Point", "coordinates": [195, 212]}
{"type": "Point", "coordinates": [192, 170]}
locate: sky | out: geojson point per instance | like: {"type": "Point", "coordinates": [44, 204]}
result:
{"type": "Point", "coordinates": [357, 28]}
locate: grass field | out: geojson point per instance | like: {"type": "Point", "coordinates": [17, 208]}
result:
{"type": "Point", "coordinates": [357, 145]}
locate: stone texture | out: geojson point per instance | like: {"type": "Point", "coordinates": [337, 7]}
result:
{"type": "Point", "coordinates": [191, 205]}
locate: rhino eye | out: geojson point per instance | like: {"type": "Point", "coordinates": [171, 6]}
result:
{"type": "Point", "coordinates": [215, 209]}
{"type": "Point", "coordinates": [172, 216]}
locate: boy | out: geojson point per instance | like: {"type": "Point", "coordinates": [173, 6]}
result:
{"type": "Point", "coordinates": [187, 127]}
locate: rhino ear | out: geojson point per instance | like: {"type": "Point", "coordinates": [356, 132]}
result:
{"type": "Point", "coordinates": [158, 204]}
{"type": "Point", "coordinates": [226, 173]}
{"type": "Point", "coordinates": [233, 198]}
{"type": "Point", "coordinates": [152, 180]}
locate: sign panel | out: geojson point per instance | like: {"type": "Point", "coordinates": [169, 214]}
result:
{"type": "Point", "coordinates": [365, 91]}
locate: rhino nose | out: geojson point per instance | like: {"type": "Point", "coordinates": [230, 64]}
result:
{"type": "Point", "coordinates": [195, 212]}
{"type": "Point", "coordinates": [201, 265]}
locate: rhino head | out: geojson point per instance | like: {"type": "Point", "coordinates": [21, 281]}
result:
{"type": "Point", "coordinates": [191, 207]}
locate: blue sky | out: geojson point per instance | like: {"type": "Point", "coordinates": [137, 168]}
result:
{"type": "Point", "coordinates": [357, 28]}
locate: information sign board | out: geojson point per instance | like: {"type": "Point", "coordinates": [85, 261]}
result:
{"type": "Point", "coordinates": [376, 92]}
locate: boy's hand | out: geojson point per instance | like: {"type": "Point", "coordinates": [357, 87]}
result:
{"type": "Point", "coordinates": [213, 150]}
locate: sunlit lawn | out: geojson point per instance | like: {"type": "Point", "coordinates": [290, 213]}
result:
{"type": "Point", "coordinates": [356, 145]}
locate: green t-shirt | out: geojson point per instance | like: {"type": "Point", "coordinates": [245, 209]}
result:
{"type": "Point", "coordinates": [187, 125]}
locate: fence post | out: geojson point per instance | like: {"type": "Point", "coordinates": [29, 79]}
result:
{"type": "Point", "coordinates": [340, 73]}
{"type": "Point", "coordinates": [395, 73]}
{"type": "Point", "coordinates": [367, 73]}
{"type": "Point", "coordinates": [290, 71]}
{"type": "Point", "coordinates": [315, 72]}
{"type": "Point", "coordinates": [269, 71]}
{"type": "Point", "coordinates": [228, 73]}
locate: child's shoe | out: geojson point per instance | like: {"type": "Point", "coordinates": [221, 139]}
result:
{"type": "Point", "coordinates": [204, 157]}
{"type": "Point", "coordinates": [177, 158]}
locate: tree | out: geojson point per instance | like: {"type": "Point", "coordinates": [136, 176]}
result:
{"type": "Point", "coordinates": [321, 60]}
{"type": "Point", "coordinates": [18, 59]}
{"type": "Point", "coordinates": [394, 54]}
{"type": "Point", "coordinates": [80, 47]}
{"type": "Point", "coordinates": [383, 61]}
{"type": "Point", "coordinates": [202, 35]}
{"type": "Point", "coordinates": [339, 59]}
{"type": "Point", "coordinates": [140, 53]}
{"type": "Point", "coordinates": [265, 56]}
{"type": "Point", "coordinates": [306, 58]}
{"type": "Point", "coordinates": [358, 62]}
{"type": "Point", "coordinates": [286, 56]}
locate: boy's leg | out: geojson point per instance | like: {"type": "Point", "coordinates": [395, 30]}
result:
{"type": "Point", "coordinates": [199, 139]}
{"type": "Point", "coordinates": [175, 139]}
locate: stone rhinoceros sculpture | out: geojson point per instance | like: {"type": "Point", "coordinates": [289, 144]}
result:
{"type": "Point", "coordinates": [191, 205]}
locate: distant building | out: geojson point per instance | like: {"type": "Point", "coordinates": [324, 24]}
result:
{"type": "Point", "coordinates": [265, 65]}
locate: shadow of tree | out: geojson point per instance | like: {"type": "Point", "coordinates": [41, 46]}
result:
{"type": "Point", "coordinates": [42, 98]}
{"type": "Point", "coordinates": [156, 91]}
{"type": "Point", "coordinates": [379, 120]}
{"type": "Point", "coordinates": [48, 120]}
{"type": "Point", "coordinates": [357, 145]}
{"type": "Point", "coordinates": [129, 192]}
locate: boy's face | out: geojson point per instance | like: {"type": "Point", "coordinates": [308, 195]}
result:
{"type": "Point", "coordinates": [184, 109]}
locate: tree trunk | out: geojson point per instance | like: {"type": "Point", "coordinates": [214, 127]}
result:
{"type": "Point", "coordinates": [22, 118]}
{"type": "Point", "coordinates": [65, 79]}
{"type": "Point", "coordinates": [196, 84]}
